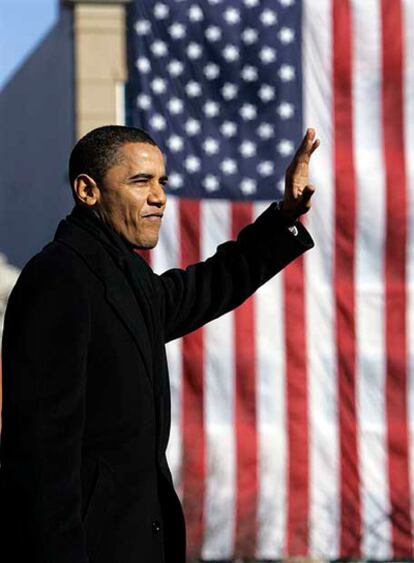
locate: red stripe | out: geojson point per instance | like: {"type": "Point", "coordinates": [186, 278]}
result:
{"type": "Point", "coordinates": [297, 411]}
{"type": "Point", "coordinates": [193, 463]}
{"type": "Point", "coordinates": [395, 278]}
{"type": "Point", "coordinates": [345, 207]}
{"type": "Point", "coordinates": [245, 411]}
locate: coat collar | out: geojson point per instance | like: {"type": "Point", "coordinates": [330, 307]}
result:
{"type": "Point", "coordinates": [117, 289]}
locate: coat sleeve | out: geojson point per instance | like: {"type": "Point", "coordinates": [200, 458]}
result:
{"type": "Point", "coordinates": [44, 354]}
{"type": "Point", "coordinates": [204, 291]}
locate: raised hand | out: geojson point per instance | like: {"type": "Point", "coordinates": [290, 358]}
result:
{"type": "Point", "coordinates": [298, 191]}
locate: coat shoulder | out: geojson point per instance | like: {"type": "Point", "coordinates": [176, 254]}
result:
{"type": "Point", "coordinates": [56, 266]}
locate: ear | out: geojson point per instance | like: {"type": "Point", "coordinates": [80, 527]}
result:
{"type": "Point", "coordinates": [86, 190]}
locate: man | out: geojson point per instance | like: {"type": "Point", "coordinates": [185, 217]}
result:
{"type": "Point", "coordinates": [86, 412]}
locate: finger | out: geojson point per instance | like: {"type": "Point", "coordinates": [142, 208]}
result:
{"type": "Point", "coordinates": [305, 148]}
{"type": "Point", "coordinates": [315, 145]}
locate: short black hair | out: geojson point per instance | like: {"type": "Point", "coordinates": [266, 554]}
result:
{"type": "Point", "coordinates": [96, 152]}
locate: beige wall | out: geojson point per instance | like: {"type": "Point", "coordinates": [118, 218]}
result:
{"type": "Point", "coordinates": [100, 64]}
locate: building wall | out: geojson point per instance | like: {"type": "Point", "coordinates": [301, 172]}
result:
{"type": "Point", "coordinates": [38, 130]}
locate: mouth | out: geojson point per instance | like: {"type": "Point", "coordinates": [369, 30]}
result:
{"type": "Point", "coordinates": [153, 217]}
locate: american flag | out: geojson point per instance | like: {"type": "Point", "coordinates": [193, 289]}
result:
{"type": "Point", "coordinates": [293, 416]}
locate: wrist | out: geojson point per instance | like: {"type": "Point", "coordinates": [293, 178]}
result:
{"type": "Point", "coordinates": [289, 215]}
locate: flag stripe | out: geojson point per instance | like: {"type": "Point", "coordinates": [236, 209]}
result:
{"type": "Point", "coordinates": [297, 410]}
{"type": "Point", "coordinates": [408, 11]}
{"type": "Point", "coordinates": [395, 273]}
{"type": "Point", "coordinates": [271, 418]}
{"type": "Point", "coordinates": [219, 404]}
{"type": "Point", "coordinates": [193, 462]}
{"type": "Point", "coordinates": [344, 277]}
{"type": "Point", "coordinates": [245, 414]}
{"type": "Point", "coordinates": [322, 365]}
{"type": "Point", "coordinates": [369, 263]}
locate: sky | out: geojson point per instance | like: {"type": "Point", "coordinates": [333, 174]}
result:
{"type": "Point", "coordinates": [23, 23]}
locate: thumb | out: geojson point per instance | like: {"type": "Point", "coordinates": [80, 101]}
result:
{"type": "Point", "coordinates": [307, 193]}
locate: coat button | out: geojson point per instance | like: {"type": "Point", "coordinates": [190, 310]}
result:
{"type": "Point", "coordinates": [156, 527]}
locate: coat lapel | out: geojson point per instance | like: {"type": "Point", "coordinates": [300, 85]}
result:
{"type": "Point", "coordinates": [117, 289]}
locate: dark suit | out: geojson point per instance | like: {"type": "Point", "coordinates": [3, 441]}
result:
{"type": "Point", "coordinates": [86, 412]}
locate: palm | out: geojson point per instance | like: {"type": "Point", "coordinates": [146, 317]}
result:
{"type": "Point", "coordinates": [298, 191]}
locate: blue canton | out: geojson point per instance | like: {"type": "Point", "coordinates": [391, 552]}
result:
{"type": "Point", "coordinates": [218, 84]}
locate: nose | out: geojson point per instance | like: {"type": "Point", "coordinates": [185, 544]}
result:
{"type": "Point", "coordinates": [157, 195]}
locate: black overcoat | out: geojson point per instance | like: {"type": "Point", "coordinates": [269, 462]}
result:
{"type": "Point", "coordinates": [86, 413]}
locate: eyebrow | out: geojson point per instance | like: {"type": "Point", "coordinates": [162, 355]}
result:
{"type": "Point", "coordinates": [144, 176]}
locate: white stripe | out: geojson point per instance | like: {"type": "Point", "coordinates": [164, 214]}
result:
{"type": "Point", "coordinates": [320, 304]}
{"type": "Point", "coordinates": [271, 418]}
{"type": "Point", "coordinates": [408, 19]}
{"type": "Point", "coordinates": [369, 279]}
{"type": "Point", "coordinates": [165, 256]}
{"type": "Point", "coordinates": [219, 403]}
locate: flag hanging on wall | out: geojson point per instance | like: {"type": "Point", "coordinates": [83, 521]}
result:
{"type": "Point", "coordinates": [293, 416]}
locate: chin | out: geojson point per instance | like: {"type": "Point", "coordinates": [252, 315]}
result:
{"type": "Point", "coordinates": [145, 244]}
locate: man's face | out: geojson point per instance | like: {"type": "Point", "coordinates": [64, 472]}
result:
{"type": "Point", "coordinates": [132, 197]}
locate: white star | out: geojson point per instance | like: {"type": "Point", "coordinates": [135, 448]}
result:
{"type": "Point", "coordinates": [265, 131]}
{"type": "Point", "coordinates": [229, 91]}
{"type": "Point", "coordinates": [266, 93]}
{"type": "Point", "coordinates": [143, 65]}
{"type": "Point", "coordinates": [214, 2]}
{"type": "Point", "coordinates": [228, 166]}
{"type": "Point", "coordinates": [249, 73]}
{"type": "Point", "coordinates": [249, 36]}
{"type": "Point", "coordinates": [286, 3]}
{"type": "Point", "coordinates": [194, 51]}
{"type": "Point", "coordinates": [230, 53]}
{"type": "Point", "coordinates": [159, 48]}
{"type": "Point", "coordinates": [251, 3]}
{"type": "Point", "coordinates": [175, 105]}
{"type": "Point", "coordinates": [195, 13]}
{"type": "Point", "coordinates": [161, 11]}
{"type": "Point", "coordinates": [192, 164]}
{"type": "Point", "coordinates": [228, 129]}
{"type": "Point", "coordinates": [144, 101]}
{"type": "Point", "coordinates": [285, 147]}
{"type": "Point", "coordinates": [285, 110]}
{"type": "Point", "coordinates": [177, 30]}
{"type": "Point", "coordinates": [211, 183]}
{"type": "Point", "coordinates": [211, 146]}
{"type": "Point", "coordinates": [286, 73]}
{"type": "Point", "coordinates": [286, 35]}
{"type": "Point", "coordinates": [268, 17]}
{"type": "Point", "coordinates": [175, 181]}
{"type": "Point", "coordinates": [142, 27]}
{"type": "Point", "coordinates": [157, 122]}
{"type": "Point", "coordinates": [247, 149]}
{"type": "Point", "coordinates": [192, 126]}
{"type": "Point", "coordinates": [158, 85]}
{"type": "Point", "coordinates": [211, 71]}
{"type": "Point", "coordinates": [265, 168]}
{"type": "Point", "coordinates": [211, 109]}
{"type": "Point", "coordinates": [175, 68]}
{"type": "Point", "coordinates": [267, 55]}
{"type": "Point", "coordinates": [193, 89]}
{"type": "Point", "coordinates": [213, 33]}
{"type": "Point", "coordinates": [248, 112]}
{"type": "Point", "coordinates": [232, 16]}
{"type": "Point", "coordinates": [175, 143]}
{"type": "Point", "coordinates": [248, 186]}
